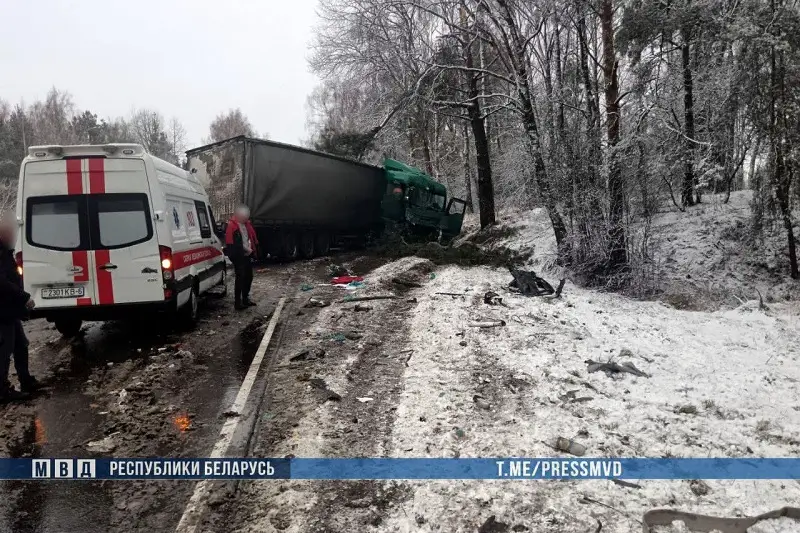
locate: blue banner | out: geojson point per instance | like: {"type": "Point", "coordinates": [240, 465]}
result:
{"type": "Point", "coordinates": [385, 468]}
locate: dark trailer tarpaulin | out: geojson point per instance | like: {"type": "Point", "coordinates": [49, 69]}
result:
{"type": "Point", "coordinates": [288, 185]}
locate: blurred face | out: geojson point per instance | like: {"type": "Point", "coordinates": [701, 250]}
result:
{"type": "Point", "coordinates": [8, 232]}
{"type": "Point", "coordinates": [242, 214]}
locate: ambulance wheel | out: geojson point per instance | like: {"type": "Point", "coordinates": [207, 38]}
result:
{"type": "Point", "coordinates": [68, 327]}
{"type": "Point", "coordinates": [188, 313]}
{"type": "Point", "coordinates": [307, 245]}
{"type": "Point", "coordinates": [223, 284]}
{"type": "Point", "coordinates": [322, 243]}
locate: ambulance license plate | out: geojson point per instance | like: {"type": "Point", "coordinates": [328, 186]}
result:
{"type": "Point", "coordinates": [62, 292]}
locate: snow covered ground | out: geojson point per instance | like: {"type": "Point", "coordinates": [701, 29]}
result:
{"type": "Point", "coordinates": [722, 384]}
{"type": "Point", "coordinates": [701, 259]}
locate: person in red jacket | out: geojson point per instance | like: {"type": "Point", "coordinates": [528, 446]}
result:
{"type": "Point", "coordinates": [240, 245]}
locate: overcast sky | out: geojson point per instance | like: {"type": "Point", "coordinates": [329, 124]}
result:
{"type": "Point", "coordinates": [191, 59]}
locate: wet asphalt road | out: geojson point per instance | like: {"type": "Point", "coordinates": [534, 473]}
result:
{"type": "Point", "coordinates": [86, 377]}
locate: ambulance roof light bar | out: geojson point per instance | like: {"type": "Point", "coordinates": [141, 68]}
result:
{"type": "Point", "coordinates": [57, 151]}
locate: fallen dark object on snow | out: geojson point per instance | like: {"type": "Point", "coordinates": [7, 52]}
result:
{"type": "Point", "coordinates": [406, 283]}
{"type": "Point", "coordinates": [327, 393]}
{"type": "Point", "coordinates": [529, 284]}
{"type": "Point", "coordinates": [316, 302]}
{"type": "Point", "coordinates": [492, 525]}
{"type": "Point", "coordinates": [623, 483]}
{"type": "Point", "coordinates": [699, 522]}
{"type": "Point", "coordinates": [367, 298]}
{"type": "Point", "coordinates": [492, 298]}
{"type": "Point", "coordinates": [615, 368]}
{"type": "Point", "coordinates": [308, 354]}
{"type": "Point", "coordinates": [487, 324]}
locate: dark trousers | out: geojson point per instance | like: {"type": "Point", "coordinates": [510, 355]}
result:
{"type": "Point", "coordinates": [243, 269]}
{"type": "Point", "coordinates": [13, 342]}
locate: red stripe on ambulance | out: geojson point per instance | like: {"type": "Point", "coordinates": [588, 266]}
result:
{"type": "Point", "coordinates": [80, 258]}
{"type": "Point", "coordinates": [190, 257]}
{"type": "Point", "coordinates": [97, 176]}
{"type": "Point", "coordinates": [74, 176]}
{"type": "Point", "coordinates": [105, 283]}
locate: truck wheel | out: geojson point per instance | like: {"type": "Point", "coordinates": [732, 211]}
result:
{"type": "Point", "coordinates": [68, 327]}
{"type": "Point", "coordinates": [289, 249]}
{"type": "Point", "coordinates": [307, 245]}
{"type": "Point", "coordinates": [322, 243]}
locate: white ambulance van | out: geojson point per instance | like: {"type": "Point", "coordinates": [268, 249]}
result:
{"type": "Point", "coordinates": [110, 232]}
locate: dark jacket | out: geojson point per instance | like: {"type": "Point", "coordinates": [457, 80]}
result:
{"type": "Point", "coordinates": [12, 297]}
{"type": "Point", "coordinates": [234, 247]}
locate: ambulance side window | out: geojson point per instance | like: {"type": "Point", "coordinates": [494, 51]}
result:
{"type": "Point", "coordinates": [202, 218]}
{"type": "Point", "coordinates": [177, 223]}
{"type": "Point", "coordinates": [192, 226]}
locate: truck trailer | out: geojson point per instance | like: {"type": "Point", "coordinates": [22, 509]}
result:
{"type": "Point", "coordinates": [302, 201]}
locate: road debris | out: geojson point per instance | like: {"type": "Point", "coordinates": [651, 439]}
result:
{"type": "Point", "coordinates": [327, 394]}
{"type": "Point", "coordinates": [612, 368]}
{"type": "Point", "coordinates": [530, 284]}
{"type": "Point", "coordinates": [308, 354]}
{"type": "Point", "coordinates": [406, 283]}
{"type": "Point", "coordinates": [350, 298]}
{"type": "Point", "coordinates": [346, 280]}
{"type": "Point", "coordinates": [492, 525]}
{"type": "Point", "coordinates": [628, 484]}
{"type": "Point", "coordinates": [487, 324]}
{"type": "Point", "coordinates": [699, 522]}
{"type": "Point", "coordinates": [122, 396]}
{"type": "Point", "coordinates": [699, 487]}
{"type": "Point", "coordinates": [481, 402]}
{"type": "Point", "coordinates": [361, 308]}
{"type": "Point", "coordinates": [335, 270]}
{"type": "Point", "coordinates": [105, 445]}
{"type": "Point", "coordinates": [572, 397]}
{"type": "Point", "coordinates": [492, 298]}
{"type": "Point", "coordinates": [316, 302]}
{"type": "Point", "coordinates": [567, 445]}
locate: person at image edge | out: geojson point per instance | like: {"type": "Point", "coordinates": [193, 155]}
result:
{"type": "Point", "coordinates": [15, 306]}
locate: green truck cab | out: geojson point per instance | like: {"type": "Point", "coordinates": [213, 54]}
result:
{"type": "Point", "coordinates": [420, 203]}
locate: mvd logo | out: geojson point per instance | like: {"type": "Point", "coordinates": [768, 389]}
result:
{"type": "Point", "coordinates": [63, 469]}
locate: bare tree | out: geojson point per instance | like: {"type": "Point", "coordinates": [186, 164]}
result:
{"type": "Point", "coordinates": [148, 127]}
{"type": "Point", "coordinates": [176, 137]}
{"type": "Point", "coordinates": [230, 124]}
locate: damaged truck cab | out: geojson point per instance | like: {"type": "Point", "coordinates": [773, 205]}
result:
{"type": "Point", "coordinates": [420, 203]}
